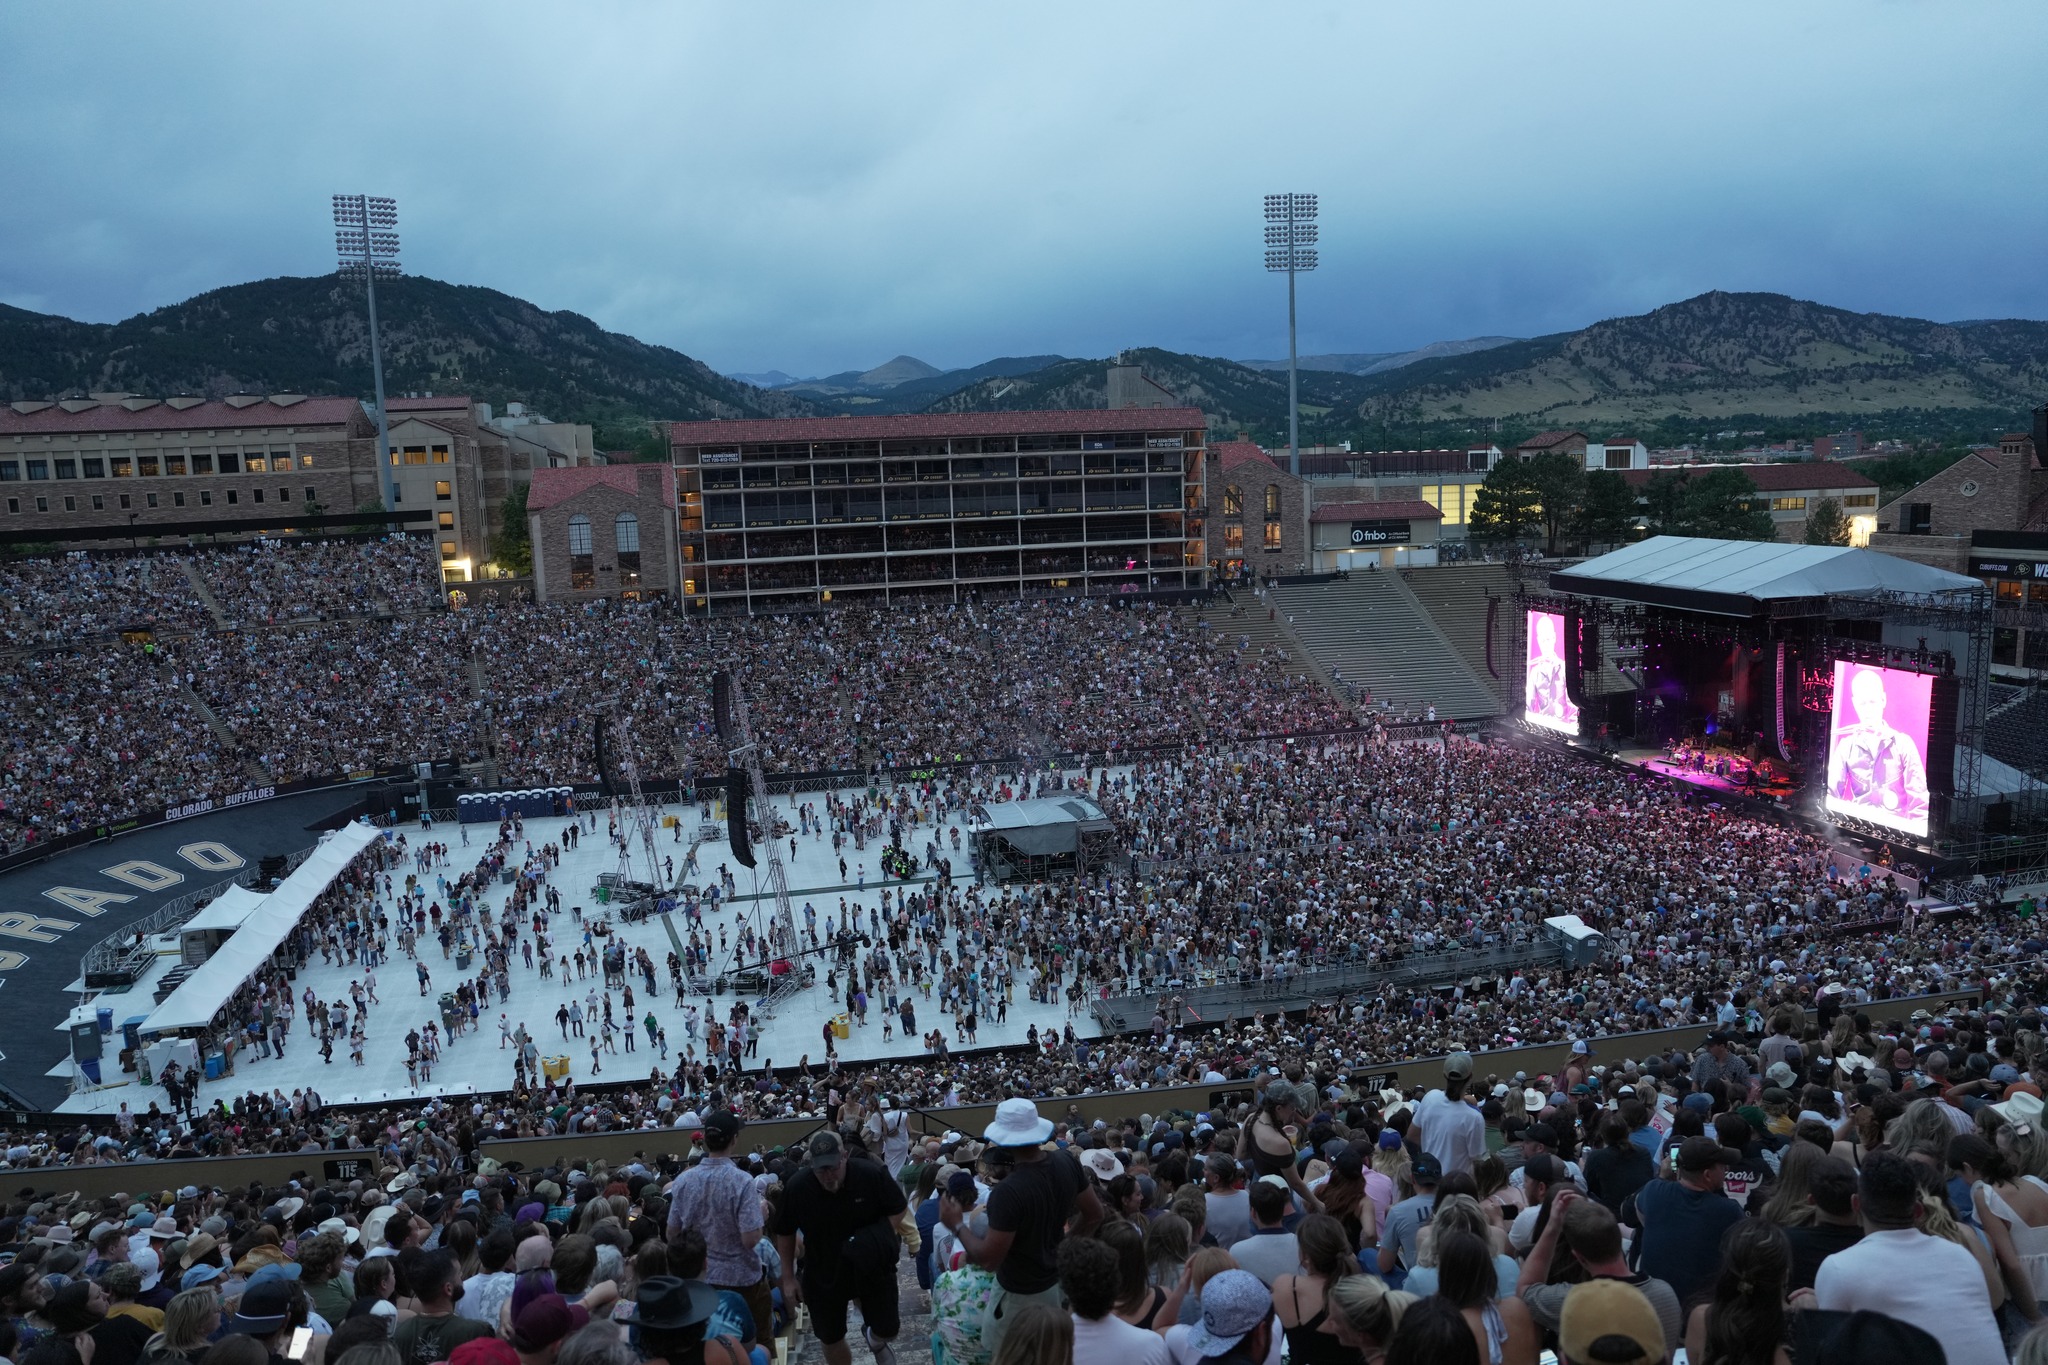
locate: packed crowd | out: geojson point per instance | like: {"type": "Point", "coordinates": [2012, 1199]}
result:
{"type": "Point", "coordinates": [63, 600]}
{"type": "Point", "coordinates": [273, 582]}
{"type": "Point", "coordinates": [1851, 1187]}
{"type": "Point", "coordinates": [116, 732]}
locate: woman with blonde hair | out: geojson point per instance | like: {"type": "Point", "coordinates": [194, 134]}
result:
{"type": "Point", "coordinates": [1459, 1213]}
{"type": "Point", "coordinates": [190, 1320]}
{"type": "Point", "coordinates": [1365, 1314]}
{"type": "Point", "coordinates": [1392, 1162]}
{"type": "Point", "coordinates": [1040, 1335]}
{"type": "Point", "coordinates": [1184, 1303]}
{"type": "Point", "coordinates": [1788, 1205]}
{"type": "Point", "coordinates": [1167, 1248]}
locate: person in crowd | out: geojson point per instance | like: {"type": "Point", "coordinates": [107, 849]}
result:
{"type": "Point", "coordinates": [1684, 1218]}
{"type": "Point", "coordinates": [1468, 1278]}
{"type": "Point", "coordinates": [1746, 1321]}
{"type": "Point", "coordinates": [1302, 1295]}
{"type": "Point", "coordinates": [846, 1208]}
{"type": "Point", "coordinates": [1364, 1315]}
{"type": "Point", "coordinates": [1591, 1234]}
{"type": "Point", "coordinates": [1398, 1253]}
{"type": "Point", "coordinates": [1608, 1322]}
{"type": "Point", "coordinates": [1433, 1331]}
{"type": "Point", "coordinates": [1271, 1251]}
{"type": "Point", "coordinates": [1447, 1125]}
{"type": "Point", "coordinates": [1901, 1272]}
{"type": "Point", "coordinates": [720, 1200]}
{"type": "Point", "coordinates": [1091, 1280]}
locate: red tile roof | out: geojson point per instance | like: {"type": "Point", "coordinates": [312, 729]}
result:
{"type": "Point", "coordinates": [1544, 440]}
{"type": "Point", "coordinates": [1375, 511]}
{"type": "Point", "coordinates": [933, 426]}
{"type": "Point", "coordinates": [1233, 454]}
{"type": "Point", "coordinates": [209, 416]}
{"type": "Point", "coordinates": [1620, 441]}
{"type": "Point", "coordinates": [1771, 478]}
{"type": "Point", "coordinates": [551, 487]}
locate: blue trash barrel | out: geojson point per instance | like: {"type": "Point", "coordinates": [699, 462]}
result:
{"type": "Point", "coordinates": [106, 1013]}
{"type": "Point", "coordinates": [216, 1066]}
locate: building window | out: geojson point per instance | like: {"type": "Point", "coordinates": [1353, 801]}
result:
{"type": "Point", "coordinates": [70, 503]}
{"type": "Point", "coordinates": [440, 454]}
{"type": "Point", "coordinates": [206, 497]}
{"type": "Point", "coordinates": [229, 463]}
{"type": "Point", "coordinates": [284, 495]}
{"type": "Point", "coordinates": [2010, 590]}
{"type": "Point", "coordinates": [447, 521]}
{"type": "Point", "coordinates": [42, 504]}
{"type": "Point", "coordinates": [149, 499]}
{"type": "Point", "coordinates": [67, 469]}
{"type": "Point", "coordinates": [257, 494]}
{"type": "Point", "coordinates": [1618, 456]}
{"type": "Point", "coordinates": [257, 465]}
{"type": "Point", "coordinates": [1272, 535]}
{"type": "Point", "coordinates": [1860, 500]}
{"type": "Point", "coordinates": [1272, 501]}
{"type": "Point", "coordinates": [177, 499]}
{"type": "Point", "coordinates": [95, 468]}
{"type": "Point", "coordinates": [233, 497]}
{"type": "Point", "coordinates": [312, 493]}
{"type": "Point", "coordinates": [14, 506]}
{"type": "Point", "coordinates": [1916, 519]}
{"type": "Point", "coordinates": [203, 464]}
{"type": "Point", "coordinates": [39, 469]}
{"type": "Point", "coordinates": [10, 471]}
{"type": "Point", "coordinates": [146, 465]}
{"type": "Point", "coordinates": [123, 467]}
{"type": "Point", "coordinates": [626, 539]}
{"type": "Point", "coordinates": [174, 464]}
{"type": "Point", "coordinates": [447, 549]}
{"type": "Point", "coordinates": [126, 503]}
{"type": "Point", "coordinates": [443, 490]}
{"type": "Point", "coordinates": [1788, 504]}
{"type": "Point", "coordinates": [1233, 540]}
{"type": "Point", "coordinates": [582, 568]}
{"type": "Point", "coordinates": [415, 455]}
{"type": "Point", "coordinates": [99, 504]}
{"type": "Point", "coordinates": [1233, 500]}
{"type": "Point", "coordinates": [305, 461]}
{"type": "Point", "coordinates": [280, 460]}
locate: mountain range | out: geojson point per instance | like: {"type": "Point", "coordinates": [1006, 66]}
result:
{"type": "Point", "coordinates": [1737, 360]}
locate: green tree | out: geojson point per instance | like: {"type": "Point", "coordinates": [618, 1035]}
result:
{"type": "Point", "coordinates": [1607, 511]}
{"type": "Point", "coordinates": [1825, 524]}
{"type": "Point", "coordinates": [512, 547]}
{"type": "Point", "coordinates": [374, 521]}
{"type": "Point", "coordinates": [1506, 506]}
{"type": "Point", "coordinates": [1560, 482]}
{"type": "Point", "coordinates": [1722, 504]}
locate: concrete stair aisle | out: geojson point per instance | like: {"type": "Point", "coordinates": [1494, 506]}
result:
{"type": "Point", "coordinates": [250, 765]}
{"type": "Point", "coordinates": [1455, 595]}
{"type": "Point", "coordinates": [1374, 631]}
{"type": "Point", "coordinates": [204, 593]}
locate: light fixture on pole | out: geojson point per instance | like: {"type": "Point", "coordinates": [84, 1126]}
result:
{"type": "Point", "coordinates": [366, 245]}
{"type": "Point", "coordinates": [1290, 246]}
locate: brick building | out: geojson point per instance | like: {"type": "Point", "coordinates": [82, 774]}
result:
{"type": "Point", "coordinates": [1386, 533]}
{"type": "Point", "coordinates": [184, 468]}
{"type": "Point", "coordinates": [1997, 489]}
{"type": "Point", "coordinates": [605, 531]}
{"type": "Point", "coordinates": [1258, 514]}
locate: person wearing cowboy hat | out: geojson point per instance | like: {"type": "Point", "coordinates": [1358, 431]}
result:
{"type": "Point", "coordinates": [672, 1314]}
{"type": "Point", "coordinates": [1028, 1213]}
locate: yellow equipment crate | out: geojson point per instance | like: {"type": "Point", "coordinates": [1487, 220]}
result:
{"type": "Point", "coordinates": [554, 1068]}
{"type": "Point", "coordinates": [842, 1026]}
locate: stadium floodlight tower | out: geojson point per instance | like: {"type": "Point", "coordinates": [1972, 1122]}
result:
{"type": "Point", "coordinates": [366, 244]}
{"type": "Point", "coordinates": [1291, 246]}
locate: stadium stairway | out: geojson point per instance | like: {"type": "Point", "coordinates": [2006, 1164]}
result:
{"type": "Point", "coordinates": [1455, 596]}
{"type": "Point", "coordinates": [229, 746]}
{"type": "Point", "coordinates": [1246, 621]}
{"type": "Point", "coordinates": [1373, 630]}
{"type": "Point", "coordinates": [204, 593]}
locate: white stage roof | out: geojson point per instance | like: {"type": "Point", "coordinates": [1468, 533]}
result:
{"type": "Point", "coordinates": [1718, 575]}
{"type": "Point", "coordinates": [213, 983]}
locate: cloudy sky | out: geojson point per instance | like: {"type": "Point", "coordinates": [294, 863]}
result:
{"type": "Point", "coordinates": [814, 187]}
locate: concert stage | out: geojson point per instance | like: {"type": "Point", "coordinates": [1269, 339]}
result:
{"type": "Point", "coordinates": [1854, 680]}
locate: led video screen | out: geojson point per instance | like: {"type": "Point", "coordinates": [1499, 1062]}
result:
{"type": "Point", "coordinates": [1544, 701]}
{"type": "Point", "coordinates": [1877, 746]}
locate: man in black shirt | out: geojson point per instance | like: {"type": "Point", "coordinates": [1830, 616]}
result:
{"type": "Point", "coordinates": [844, 1209]}
{"type": "Point", "coordinates": [1830, 1188]}
{"type": "Point", "coordinates": [1028, 1212]}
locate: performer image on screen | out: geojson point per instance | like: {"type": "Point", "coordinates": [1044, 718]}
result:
{"type": "Point", "coordinates": [1543, 693]}
{"type": "Point", "coordinates": [1873, 764]}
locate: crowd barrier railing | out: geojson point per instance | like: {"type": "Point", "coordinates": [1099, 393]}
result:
{"type": "Point", "coordinates": [97, 1181]}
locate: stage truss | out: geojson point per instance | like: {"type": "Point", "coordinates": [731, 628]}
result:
{"type": "Point", "coordinates": [777, 927]}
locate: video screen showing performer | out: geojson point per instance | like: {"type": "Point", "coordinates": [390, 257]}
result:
{"type": "Point", "coordinates": [1877, 746]}
{"type": "Point", "coordinates": [1543, 696]}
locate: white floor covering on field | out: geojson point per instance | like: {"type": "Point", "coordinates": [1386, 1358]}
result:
{"type": "Point", "coordinates": [476, 1061]}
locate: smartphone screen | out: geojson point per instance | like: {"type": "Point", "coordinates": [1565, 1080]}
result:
{"type": "Point", "coordinates": [302, 1339]}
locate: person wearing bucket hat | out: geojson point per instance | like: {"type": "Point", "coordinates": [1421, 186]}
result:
{"type": "Point", "coordinates": [1028, 1213]}
{"type": "Point", "coordinates": [846, 1207]}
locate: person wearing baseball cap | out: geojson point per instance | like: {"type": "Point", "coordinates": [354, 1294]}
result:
{"type": "Point", "coordinates": [1683, 1219]}
{"type": "Point", "coordinates": [718, 1199]}
{"type": "Point", "coordinates": [1236, 1321]}
{"type": "Point", "coordinates": [1404, 1221]}
{"type": "Point", "coordinates": [1447, 1125]}
{"type": "Point", "coordinates": [541, 1327]}
{"type": "Point", "coordinates": [1609, 1322]}
{"type": "Point", "coordinates": [845, 1207]}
